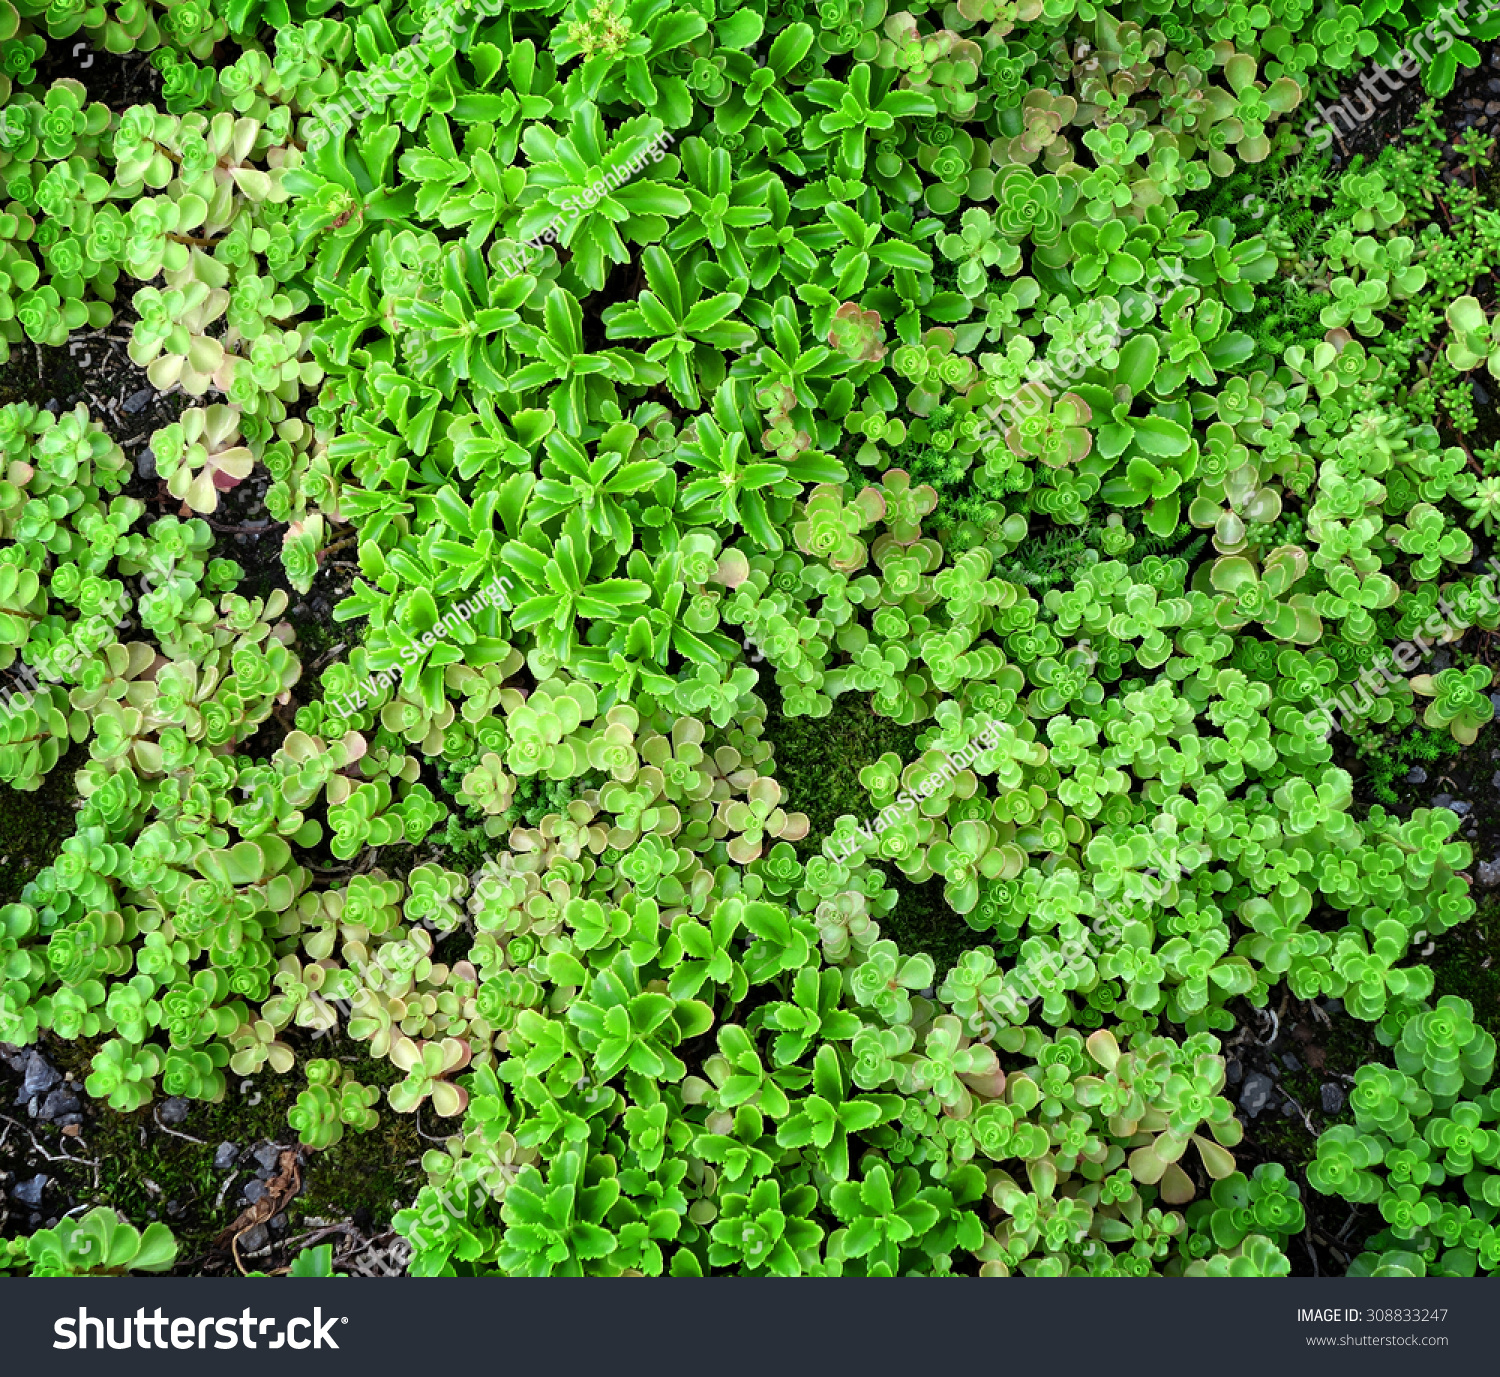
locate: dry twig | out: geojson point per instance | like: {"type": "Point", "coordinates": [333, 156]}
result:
{"type": "Point", "coordinates": [76, 1161]}
{"type": "Point", "coordinates": [280, 1191]}
{"type": "Point", "coordinates": [186, 1137]}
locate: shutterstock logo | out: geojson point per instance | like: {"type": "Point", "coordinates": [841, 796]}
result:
{"type": "Point", "coordinates": [149, 1332]}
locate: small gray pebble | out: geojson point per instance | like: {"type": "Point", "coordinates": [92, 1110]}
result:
{"type": "Point", "coordinates": [138, 401]}
{"type": "Point", "coordinates": [1442, 800]}
{"type": "Point", "coordinates": [1234, 1073]}
{"type": "Point", "coordinates": [1256, 1093]}
{"type": "Point", "coordinates": [1480, 395]}
{"type": "Point", "coordinates": [30, 1192]}
{"type": "Point", "coordinates": [1489, 872]}
{"type": "Point", "coordinates": [40, 1077]}
{"type": "Point", "coordinates": [226, 1156]}
{"type": "Point", "coordinates": [254, 1239]}
{"type": "Point", "coordinates": [253, 1191]}
{"type": "Point", "coordinates": [58, 1103]}
{"type": "Point", "coordinates": [174, 1111]}
{"type": "Point", "coordinates": [1291, 1063]}
{"type": "Point", "coordinates": [53, 405]}
{"type": "Point", "coordinates": [1416, 775]}
{"type": "Point", "coordinates": [1333, 1006]}
{"type": "Point", "coordinates": [267, 1154]}
{"type": "Point", "coordinates": [1459, 806]}
{"type": "Point", "coordinates": [1333, 1098]}
{"type": "Point", "coordinates": [145, 464]}
{"type": "Point", "coordinates": [278, 1223]}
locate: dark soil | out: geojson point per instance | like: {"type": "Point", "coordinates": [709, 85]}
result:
{"type": "Point", "coordinates": [1473, 101]}
{"type": "Point", "coordinates": [116, 80]}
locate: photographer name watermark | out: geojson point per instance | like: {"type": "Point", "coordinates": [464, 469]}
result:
{"type": "Point", "coordinates": [514, 264]}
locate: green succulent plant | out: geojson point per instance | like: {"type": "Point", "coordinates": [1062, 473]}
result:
{"type": "Point", "coordinates": [100, 1244]}
{"type": "Point", "coordinates": [1247, 594]}
{"type": "Point", "coordinates": [1460, 700]}
{"type": "Point", "coordinates": [847, 526]}
{"type": "Point", "coordinates": [1472, 343]}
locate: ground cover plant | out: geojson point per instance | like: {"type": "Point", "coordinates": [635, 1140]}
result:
{"type": "Point", "coordinates": [884, 569]}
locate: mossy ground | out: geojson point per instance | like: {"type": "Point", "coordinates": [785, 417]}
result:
{"type": "Point", "coordinates": [148, 1173]}
{"type": "Point", "coordinates": [818, 759]}
{"type": "Point", "coordinates": [34, 825]}
{"type": "Point", "coordinates": [817, 763]}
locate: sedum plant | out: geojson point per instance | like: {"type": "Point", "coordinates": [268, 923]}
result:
{"type": "Point", "coordinates": [640, 383]}
{"type": "Point", "coordinates": [100, 1244]}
